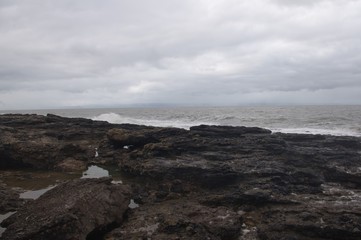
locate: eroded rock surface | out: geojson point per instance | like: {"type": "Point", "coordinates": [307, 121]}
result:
{"type": "Point", "coordinates": [42, 142]}
{"type": "Point", "coordinates": [74, 210]}
{"type": "Point", "coordinates": [279, 183]}
{"type": "Point", "coordinates": [180, 218]}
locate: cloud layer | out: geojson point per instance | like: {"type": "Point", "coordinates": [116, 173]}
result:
{"type": "Point", "coordinates": [106, 53]}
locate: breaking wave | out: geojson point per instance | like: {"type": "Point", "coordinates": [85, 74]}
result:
{"type": "Point", "coordinates": [335, 132]}
{"type": "Point", "coordinates": [178, 123]}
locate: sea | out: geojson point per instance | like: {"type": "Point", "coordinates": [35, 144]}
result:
{"type": "Point", "coordinates": [330, 120]}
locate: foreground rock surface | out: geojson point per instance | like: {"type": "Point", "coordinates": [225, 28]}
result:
{"type": "Point", "coordinates": [209, 182]}
{"type": "Point", "coordinates": [74, 210]}
{"type": "Point", "coordinates": [174, 219]}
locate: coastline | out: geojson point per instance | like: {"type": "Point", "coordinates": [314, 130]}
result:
{"type": "Point", "coordinates": [329, 120]}
{"type": "Point", "coordinates": [249, 182]}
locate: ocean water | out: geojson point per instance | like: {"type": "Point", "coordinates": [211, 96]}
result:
{"type": "Point", "coordinates": [334, 120]}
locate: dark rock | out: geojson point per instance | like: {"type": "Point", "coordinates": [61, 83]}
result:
{"type": "Point", "coordinates": [122, 137]}
{"type": "Point", "coordinates": [198, 171]}
{"type": "Point", "coordinates": [343, 175]}
{"type": "Point", "coordinates": [179, 219]}
{"type": "Point", "coordinates": [227, 131]}
{"type": "Point", "coordinates": [43, 141]}
{"type": "Point", "coordinates": [9, 199]}
{"type": "Point", "coordinates": [73, 210]}
{"type": "Point", "coordinates": [29, 154]}
{"type": "Point", "coordinates": [71, 165]}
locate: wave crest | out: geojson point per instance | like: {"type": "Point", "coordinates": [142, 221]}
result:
{"type": "Point", "coordinates": [173, 122]}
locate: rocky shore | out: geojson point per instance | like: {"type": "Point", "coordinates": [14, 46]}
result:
{"type": "Point", "coordinates": [209, 182]}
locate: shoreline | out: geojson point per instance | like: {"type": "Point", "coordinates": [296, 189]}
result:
{"type": "Point", "coordinates": [220, 182]}
{"type": "Point", "coordinates": [333, 120]}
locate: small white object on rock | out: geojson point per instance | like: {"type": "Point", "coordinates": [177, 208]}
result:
{"type": "Point", "coordinates": [96, 152]}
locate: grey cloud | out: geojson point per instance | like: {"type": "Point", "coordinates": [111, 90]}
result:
{"type": "Point", "coordinates": [298, 3]}
{"type": "Point", "coordinates": [182, 52]}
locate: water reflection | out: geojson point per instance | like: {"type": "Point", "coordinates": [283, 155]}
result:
{"type": "Point", "coordinates": [35, 183]}
{"type": "Point", "coordinates": [95, 172]}
{"type": "Point", "coordinates": [34, 194]}
{"type": "Point", "coordinates": [2, 218]}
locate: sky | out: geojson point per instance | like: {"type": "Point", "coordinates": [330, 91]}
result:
{"type": "Point", "coordinates": [87, 53]}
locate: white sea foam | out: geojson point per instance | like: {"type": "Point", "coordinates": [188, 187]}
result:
{"type": "Point", "coordinates": [335, 132]}
{"type": "Point", "coordinates": [178, 123]}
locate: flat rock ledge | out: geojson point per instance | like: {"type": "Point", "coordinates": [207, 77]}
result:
{"type": "Point", "coordinates": [79, 209]}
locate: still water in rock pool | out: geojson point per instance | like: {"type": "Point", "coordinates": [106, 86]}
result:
{"type": "Point", "coordinates": [33, 184]}
{"type": "Point", "coordinates": [2, 218]}
{"type": "Point", "coordinates": [95, 172]}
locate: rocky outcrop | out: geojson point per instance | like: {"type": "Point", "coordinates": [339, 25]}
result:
{"type": "Point", "coordinates": [215, 182]}
{"type": "Point", "coordinates": [80, 209]}
{"type": "Point", "coordinates": [285, 186]}
{"type": "Point", "coordinates": [43, 142]}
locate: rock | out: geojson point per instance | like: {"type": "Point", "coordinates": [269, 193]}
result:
{"type": "Point", "coordinates": [42, 142]}
{"type": "Point", "coordinates": [179, 219]}
{"type": "Point", "coordinates": [343, 175]}
{"type": "Point", "coordinates": [198, 171]}
{"type": "Point", "coordinates": [71, 165]}
{"type": "Point", "coordinates": [30, 154]}
{"type": "Point", "coordinates": [283, 223]}
{"type": "Point", "coordinates": [9, 199]}
{"type": "Point", "coordinates": [227, 131]}
{"type": "Point", "coordinates": [123, 137]}
{"type": "Point", "coordinates": [286, 186]}
{"type": "Point", "coordinates": [77, 209]}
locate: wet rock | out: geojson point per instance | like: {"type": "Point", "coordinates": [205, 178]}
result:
{"type": "Point", "coordinates": [123, 137]}
{"type": "Point", "coordinates": [30, 154]}
{"type": "Point", "coordinates": [343, 175]}
{"type": "Point", "coordinates": [74, 210]}
{"type": "Point", "coordinates": [198, 171]}
{"type": "Point", "coordinates": [316, 225]}
{"type": "Point", "coordinates": [9, 199]}
{"type": "Point", "coordinates": [179, 219]}
{"type": "Point", "coordinates": [71, 165]}
{"type": "Point", "coordinates": [227, 131]}
{"type": "Point", "coordinates": [73, 150]}
{"type": "Point", "coordinates": [44, 141]}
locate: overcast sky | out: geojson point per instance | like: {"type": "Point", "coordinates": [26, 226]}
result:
{"type": "Point", "coordinates": [81, 53]}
